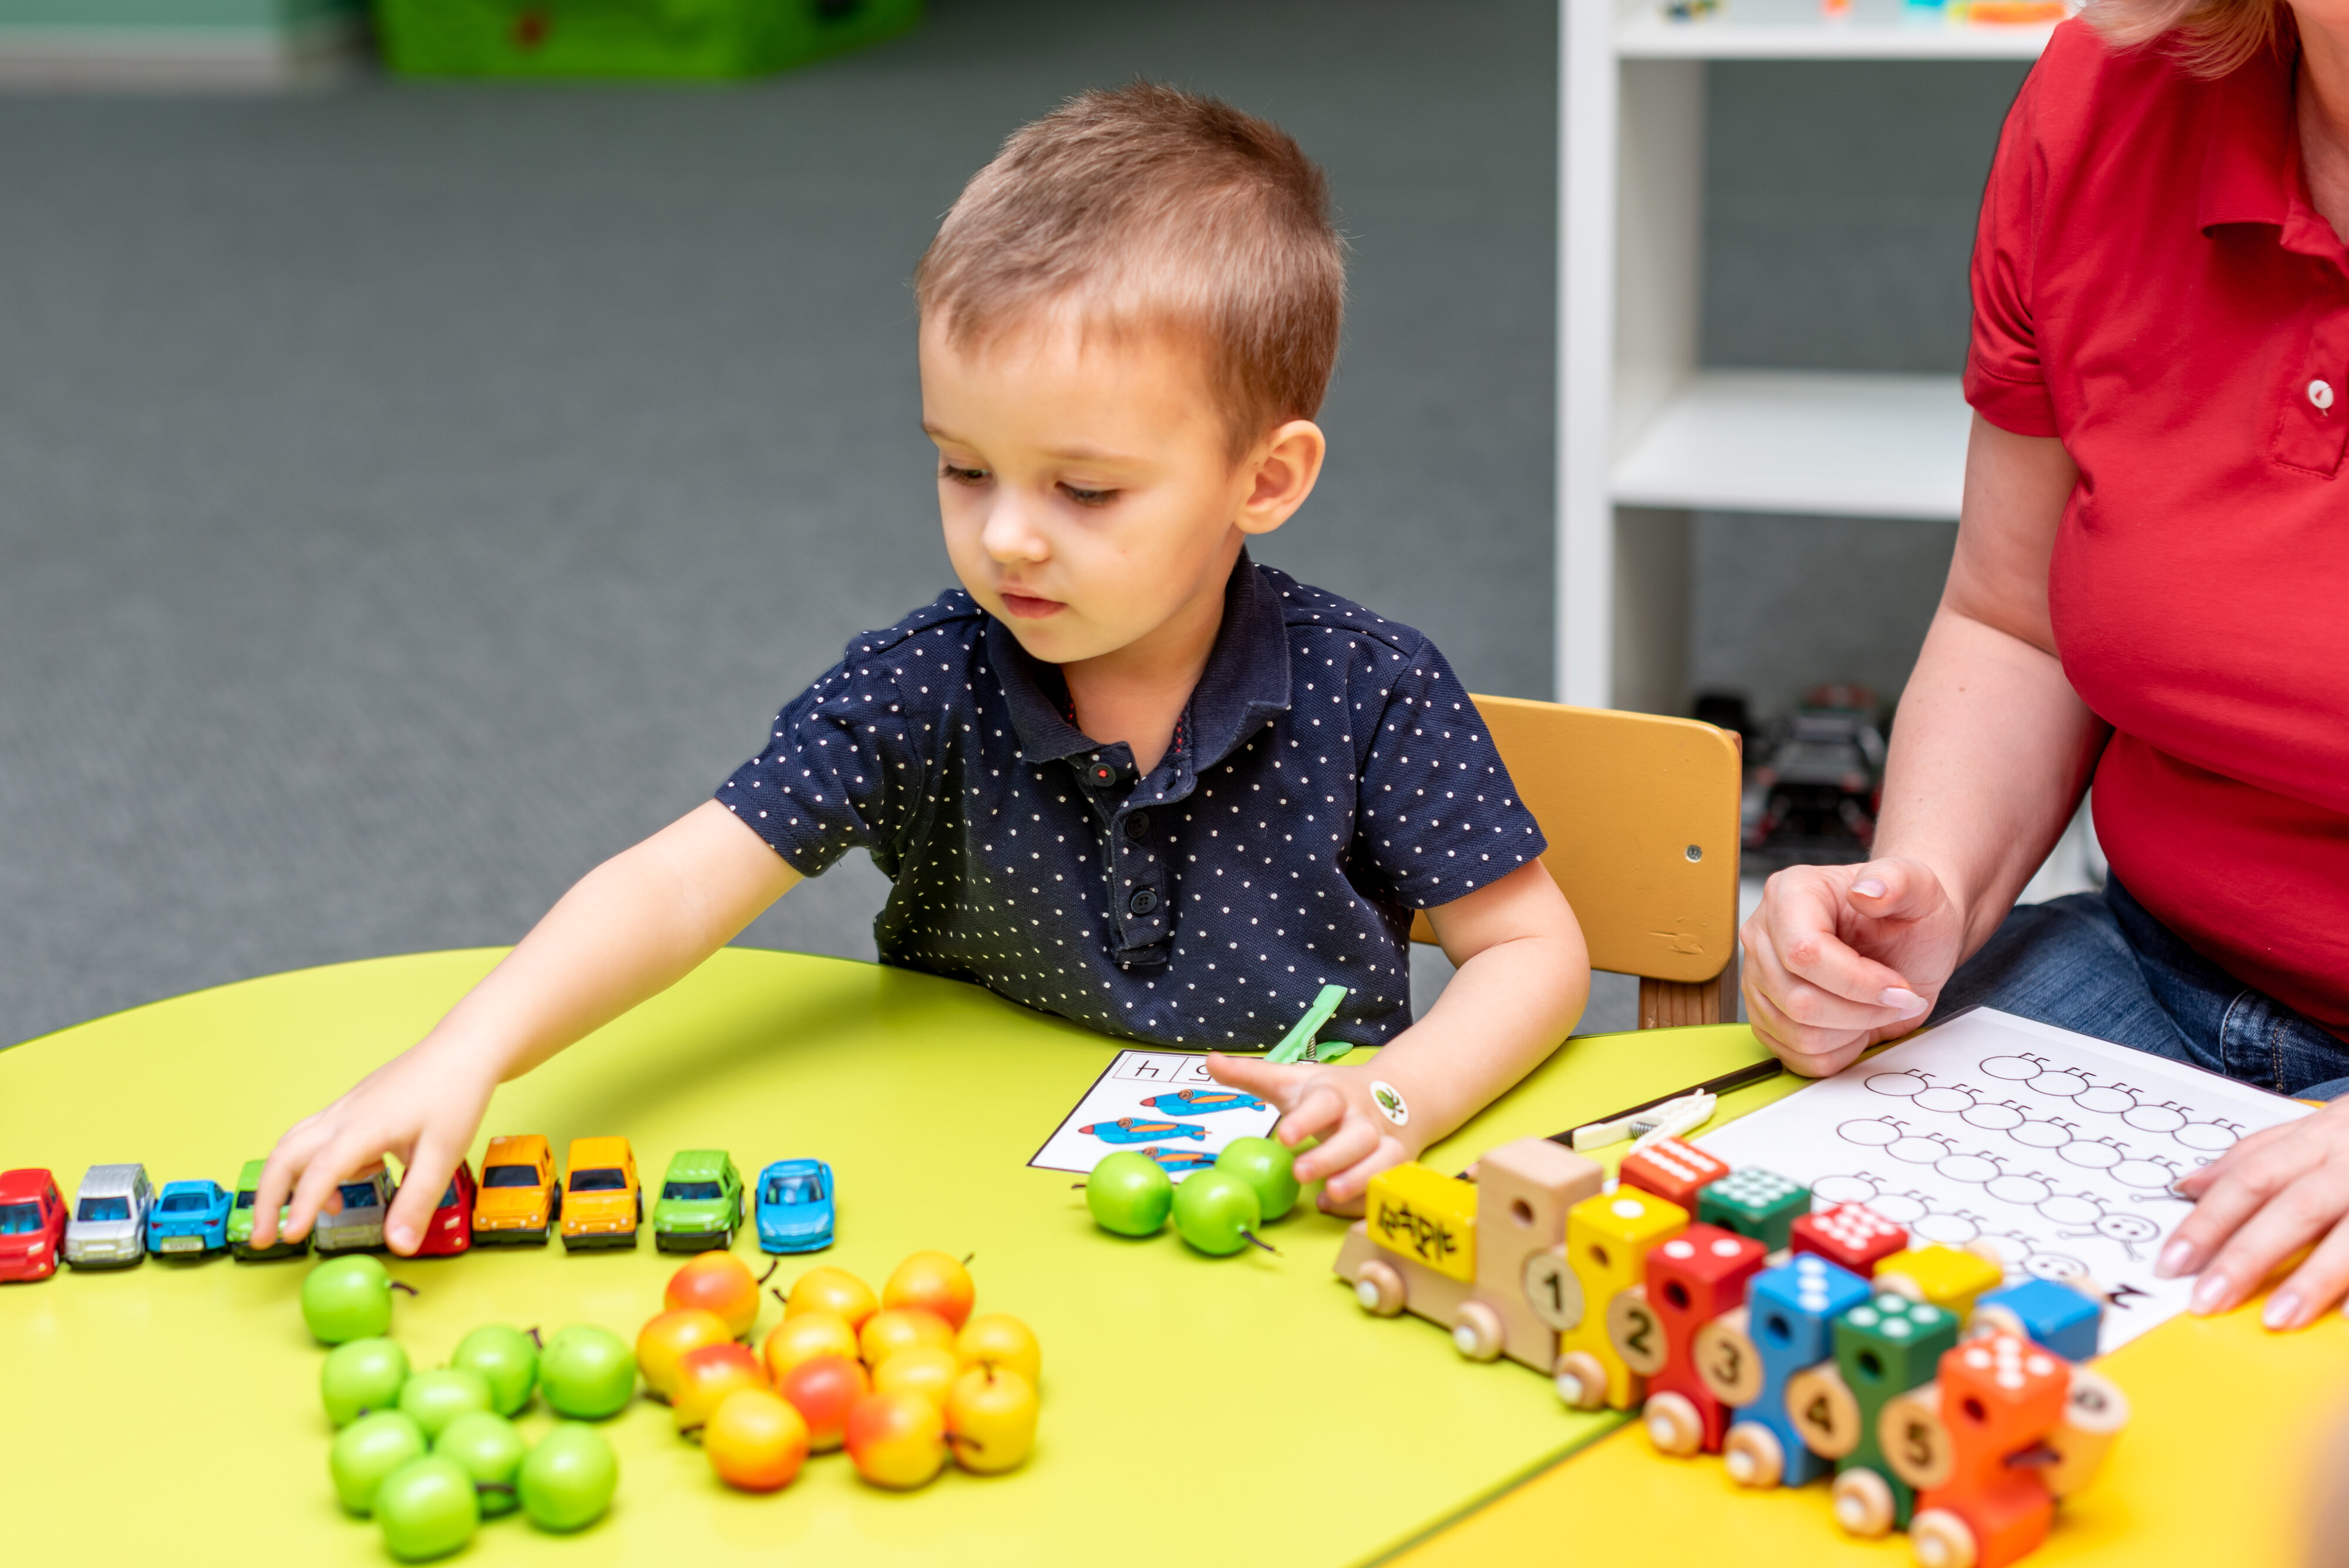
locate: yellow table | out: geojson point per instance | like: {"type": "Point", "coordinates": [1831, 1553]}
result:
{"type": "Point", "coordinates": [1241, 1411]}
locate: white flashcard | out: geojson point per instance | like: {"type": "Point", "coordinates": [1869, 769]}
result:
{"type": "Point", "coordinates": [2057, 1149]}
{"type": "Point", "coordinates": [1161, 1103]}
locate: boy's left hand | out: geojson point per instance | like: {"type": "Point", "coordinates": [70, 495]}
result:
{"type": "Point", "coordinates": [1330, 1102]}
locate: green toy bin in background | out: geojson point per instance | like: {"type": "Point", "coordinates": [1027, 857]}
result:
{"type": "Point", "coordinates": [619, 38]}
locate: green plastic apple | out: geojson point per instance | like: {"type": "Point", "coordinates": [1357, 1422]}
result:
{"type": "Point", "coordinates": [1129, 1194]}
{"type": "Point", "coordinates": [368, 1451]}
{"type": "Point", "coordinates": [427, 1508]}
{"type": "Point", "coordinates": [1265, 1165]}
{"type": "Point", "coordinates": [508, 1358]}
{"type": "Point", "coordinates": [568, 1480]}
{"type": "Point", "coordinates": [361, 1375]}
{"type": "Point", "coordinates": [588, 1373]}
{"type": "Point", "coordinates": [346, 1299]}
{"type": "Point", "coordinates": [439, 1396]}
{"type": "Point", "coordinates": [1215, 1211]}
{"type": "Point", "coordinates": [491, 1449]}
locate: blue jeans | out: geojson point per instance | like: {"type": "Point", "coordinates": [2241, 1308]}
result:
{"type": "Point", "coordinates": [2100, 965]}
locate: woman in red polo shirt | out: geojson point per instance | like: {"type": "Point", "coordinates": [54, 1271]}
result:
{"type": "Point", "coordinates": [2150, 589]}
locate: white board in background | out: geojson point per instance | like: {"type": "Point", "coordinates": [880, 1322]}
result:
{"type": "Point", "coordinates": [1123, 1091]}
{"type": "Point", "coordinates": [2058, 1149]}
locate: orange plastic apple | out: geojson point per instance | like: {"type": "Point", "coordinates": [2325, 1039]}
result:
{"type": "Point", "coordinates": [889, 1331]}
{"type": "Point", "coordinates": [666, 1336]}
{"type": "Point", "coordinates": [718, 1282]}
{"type": "Point", "coordinates": [811, 1334]}
{"type": "Point", "coordinates": [999, 1339]}
{"type": "Point", "coordinates": [934, 1283]}
{"type": "Point", "coordinates": [824, 1389]}
{"type": "Point", "coordinates": [924, 1369]}
{"type": "Point", "coordinates": [707, 1376]}
{"type": "Point", "coordinates": [990, 1419]}
{"type": "Point", "coordinates": [755, 1440]}
{"type": "Point", "coordinates": [827, 1289]}
{"type": "Point", "coordinates": [897, 1440]}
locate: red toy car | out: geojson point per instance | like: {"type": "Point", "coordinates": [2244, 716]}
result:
{"type": "Point", "coordinates": [32, 1224]}
{"type": "Point", "coordinates": [450, 1230]}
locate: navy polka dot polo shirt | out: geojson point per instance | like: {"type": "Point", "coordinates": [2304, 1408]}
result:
{"type": "Point", "coordinates": [1330, 777]}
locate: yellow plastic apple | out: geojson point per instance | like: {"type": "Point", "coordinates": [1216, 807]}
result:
{"type": "Point", "coordinates": [990, 1419]}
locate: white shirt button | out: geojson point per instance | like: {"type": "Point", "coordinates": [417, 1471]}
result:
{"type": "Point", "coordinates": [2320, 392]}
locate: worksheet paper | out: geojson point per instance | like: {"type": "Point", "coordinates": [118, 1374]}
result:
{"type": "Point", "coordinates": [2057, 1149]}
{"type": "Point", "coordinates": [1161, 1103]}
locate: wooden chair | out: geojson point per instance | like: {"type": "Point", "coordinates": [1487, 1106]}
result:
{"type": "Point", "coordinates": [1640, 813]}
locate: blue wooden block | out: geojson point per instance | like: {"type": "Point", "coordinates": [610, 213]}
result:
{"type": "Point", "coordinates": [1790, 1313]}
{"type": "Point", "coordinates": [2055, 1316]}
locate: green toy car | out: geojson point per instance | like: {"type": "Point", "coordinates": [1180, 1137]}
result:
{"type": "Point", "coordinates": [700, 1204]}
{"type": "Point", "coordinates": [240, 1222]}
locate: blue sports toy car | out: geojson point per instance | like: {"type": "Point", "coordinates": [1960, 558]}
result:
{"type": "Point", "coordinates": [1132, 1129]}
{"type": "Point", "coordinates": [794, 1201]}
{"type": "Point", "coordinates": [1180, 1161]}
{"type": "Point", "coordinates": [191, 1220]}
{"type": "Point", "coordinates": [1199, 1102]}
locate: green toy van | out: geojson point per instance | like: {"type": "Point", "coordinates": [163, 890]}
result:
{"type": "Point", "coordinates": [240, 1222]}
{"type": "Point", "coordinates": [700, 1203]}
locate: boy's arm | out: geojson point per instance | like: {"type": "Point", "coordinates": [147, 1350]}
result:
{"type": "Point", "coordinates": [1524, 977]}
{"type": "Point", "coordinates": [627, 930]}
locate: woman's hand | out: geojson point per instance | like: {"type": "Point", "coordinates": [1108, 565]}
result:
{"type": "Point", "coordinates": [1332, 1104]}
{"type": "Point", "coordinates": [1840, 957]}
{"type": "Point", "coordinates": [2272, 1194]}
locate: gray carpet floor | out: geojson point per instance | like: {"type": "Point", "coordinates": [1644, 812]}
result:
{"type": "Point", "coordinates": [410, 496]}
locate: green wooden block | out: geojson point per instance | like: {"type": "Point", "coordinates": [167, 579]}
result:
{"type": "Point", "coordinates": [1886, 1345]}
{"type": "Point", "coordinates": [1754, 1202]}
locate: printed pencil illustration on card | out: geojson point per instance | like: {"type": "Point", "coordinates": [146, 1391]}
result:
{"type": "Point", "coordinates": [1162, 1103]}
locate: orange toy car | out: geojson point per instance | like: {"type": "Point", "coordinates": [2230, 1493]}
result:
{"type": "Point", "coordinates": [602, 1204]}
{"type": "Point", "coordinates": [520, 1197]}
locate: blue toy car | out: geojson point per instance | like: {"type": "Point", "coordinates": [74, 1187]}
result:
{"type": "Point", "coordinates": [1199, 1102]}
{"type": "Point", "coordinates": [1179, 1161]}
{"type": "Point", "coordinates": [191, 1220]}
{"type": "Point", "coordinates": [1133, 1129]}
{"type": "Point", "coordinates": [795, 1206]}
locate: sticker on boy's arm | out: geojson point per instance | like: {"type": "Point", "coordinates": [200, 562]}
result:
{"type": "Point", "coordinates": [1390, 1103]}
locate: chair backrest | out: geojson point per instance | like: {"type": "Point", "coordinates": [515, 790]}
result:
{"type": "Point", "coordinates": [1640, 812]}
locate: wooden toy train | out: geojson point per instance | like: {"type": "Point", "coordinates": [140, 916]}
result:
{"type": "Point", "coordinates": [1739, 1322]}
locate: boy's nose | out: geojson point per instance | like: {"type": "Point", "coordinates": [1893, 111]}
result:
{"type": "Point", "coordinates": [1008, 535]}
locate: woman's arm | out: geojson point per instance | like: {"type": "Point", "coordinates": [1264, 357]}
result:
{"type": "Point", "coordinates": [627, 930]}
{"type": "Point", "coordinates": [1989, 755]}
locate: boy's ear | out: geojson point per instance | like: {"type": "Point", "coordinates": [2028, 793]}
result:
{"type": "Point", "coordinates": [1280, 473]}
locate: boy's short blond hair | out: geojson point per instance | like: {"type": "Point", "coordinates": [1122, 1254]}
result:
{"type": "Point", "coordinates": [1148, 208]}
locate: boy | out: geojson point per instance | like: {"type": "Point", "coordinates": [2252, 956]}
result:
{"type": "Point", "coordinates": [1125, 774]}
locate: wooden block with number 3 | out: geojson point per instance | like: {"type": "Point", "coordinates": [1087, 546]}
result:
{"type": "Point", "coordinates": [1692, 1279]}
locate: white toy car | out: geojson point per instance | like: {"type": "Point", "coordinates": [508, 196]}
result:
{"type": "Point", "coordinates": [358, 1228]}
{"type": "Point", "coordinates": [108, 1229]}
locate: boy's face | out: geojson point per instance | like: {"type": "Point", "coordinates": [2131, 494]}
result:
{"type": "Point", "coordinates": [1090, 498]}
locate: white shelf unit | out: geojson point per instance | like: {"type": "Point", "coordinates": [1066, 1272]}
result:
{"type": "Point", "coordinates": [1644, 436]}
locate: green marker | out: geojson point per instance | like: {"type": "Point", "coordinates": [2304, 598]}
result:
{"type": "Point", "coordinates": [1298, 1045]}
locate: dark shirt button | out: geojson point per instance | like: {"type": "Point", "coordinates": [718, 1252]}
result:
{"type": "Point", "coordinates": [1104, 773]}
{"type": "Point", "coordinates": [1143, 901]}
{"type": "Point", "coordinates": [1137, 826]}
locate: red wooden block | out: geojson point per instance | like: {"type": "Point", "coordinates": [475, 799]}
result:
{"type": "Point", "coordinates": [1692, 1279]}
{"type": "Point", "coordinates": [1851, 1234]}
{"type": "Point", "coordinates": [2001, 1397]}
{"type": "Point", "coordinates": [1671, 1170]}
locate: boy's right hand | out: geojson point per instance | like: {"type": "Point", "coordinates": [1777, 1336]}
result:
{"type": "Point", "coordinates": [423, 1107]}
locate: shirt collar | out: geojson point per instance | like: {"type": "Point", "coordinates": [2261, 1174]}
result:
{"type": "Point", "coordinates": [1244, 686]}
{"type": "Point", "coordinates": [2250, 153]}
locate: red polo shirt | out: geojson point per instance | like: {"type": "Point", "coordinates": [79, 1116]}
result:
{"type": "Point", "coordinates": [2151, 284]}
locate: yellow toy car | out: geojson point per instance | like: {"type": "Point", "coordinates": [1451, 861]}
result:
{"type": "Point", "coordinates": [602, 1204]}
{"type": "Point", "coordinates": [519, 1199]}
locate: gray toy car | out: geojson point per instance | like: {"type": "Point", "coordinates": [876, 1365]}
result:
{"type": "Point", "coordinates": [358, 1228]}
{"type": "Point", "coordinates": [107, 1227]}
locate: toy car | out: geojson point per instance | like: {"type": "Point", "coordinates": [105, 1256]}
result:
{"type": "Point", "coordinates": [240, 1222]}
{"type": "Point", "coordinates": [1178, 1161]}
{"type": "Point", "coordinates": [32, 1224]}
{"type": "Point", "coordinates": [189, 1220]}
{"type": "Point", "coordinates": [1133, 1129]}
{"type": "Point", "coordinates": [602, 1204]}
{"type": "Point", "coordinates": [358, 1228]}
{"type": "Point", "coordinates": [109, 1228]}
{"type": "Point", "coordinates": [700, 1203]}
{"type": "Point", "coordinates": [795, 1213]}
{"type": "Point", "coordinates": [519, 1197]}
{"type": "Point", "coordinates": [450, 1230]}
{"type": "Point", "coordinates": [1814, 797]}
{"type": "Point", "coordinates": [1199, 1102]}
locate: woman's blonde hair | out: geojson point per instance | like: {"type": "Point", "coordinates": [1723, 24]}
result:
{"type": "Point", "coordinates": [2212, 36]}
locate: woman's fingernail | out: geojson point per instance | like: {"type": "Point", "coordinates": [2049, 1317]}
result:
{"type": "Point", "coordinates": [1901, 999]}
{"type": "Point", "coordinates": [2176, 1258]}
{"type": "Point", "coordinates": [1869, 888]}
{"type": "Point", "coordinates": [2283, 1309]}
{"type": "Point", "coordinates": [2208, 1291]}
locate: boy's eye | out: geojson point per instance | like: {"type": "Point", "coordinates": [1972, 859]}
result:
{"type": "Point", "coordinates": [1084, 497]}
{"type": "Point", "coordinates": [963, 475]}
